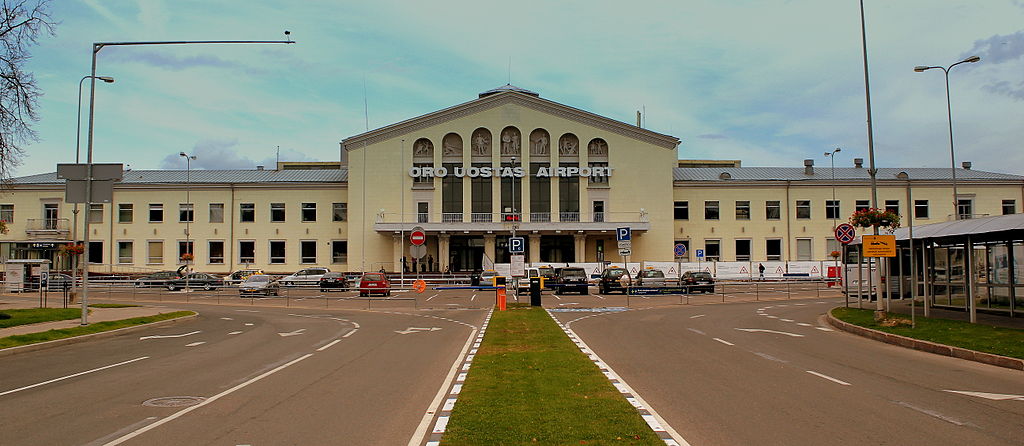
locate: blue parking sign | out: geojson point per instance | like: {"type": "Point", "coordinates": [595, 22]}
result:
{"type": "Point", "coordinates": [700, 253]}
{"type": "Point", "coordinates": [516, 245]}
{"type": "Point", "coordinates": [623, 234]}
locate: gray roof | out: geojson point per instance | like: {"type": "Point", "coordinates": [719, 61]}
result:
{"type": "Point", "coordinates": [985, 225]}
{"type": "Point", "coordinates": [825, 174]}
{"type": "Point", "coordinates": [508, 87]}
{"type": "Point", "coordinates": [200, 176]}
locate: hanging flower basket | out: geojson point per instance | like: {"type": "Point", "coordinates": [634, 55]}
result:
{"type": "Point", "coordinates": [187, 257]}
{"type": "Point", "coordinates": [835, 254]}
{"type": "Point", "coordinates": [71, 249]}
{"type": "Point", "coordinates": [872, 217]}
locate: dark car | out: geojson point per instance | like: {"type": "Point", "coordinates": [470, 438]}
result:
{"type": "Point", "coordinates": [572, 279]}
{"type": "Point", "coordinates": [333, 280]}
{"type": "Point", "coordinates": [614, 279]}
{"type": "Point", "coordinates": [205, 281]}
{"type": "Point", "coordinates": [698, 281]}
{"type": "Point", "coordinates": [157, 279]}
{"type": "Point", "coordinates": [372, 283]}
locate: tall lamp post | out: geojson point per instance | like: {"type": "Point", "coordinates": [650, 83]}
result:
{"type": "Point", "coordinates": [190, 214]}
{"type": "Point", "coordinates": [78, 140]}
{"type": "Point", "coordinates": [949, 115]}
{"type": "Point", "coordinates": [832, 158]}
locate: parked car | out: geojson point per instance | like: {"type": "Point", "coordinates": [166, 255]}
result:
{"type": "Point", "coordinates": [333, 280]}
{"type": "Point", "coordinates": [487, 277]}
{"type": "Point", "coordinates": [259, 284]}
{"type": "Point", "coordinates": [374, 283]}
{"type": "Point", "coordinates": [651, 277]}
{"type": "Point", "coordinates": [572, 279]}
{"type": "Point", "coordinates": [697, 281]}
{"type": "Point", "coordinates": [614, 279]}
{"type": "Point", "coordinates": [307, 276]}
{"type": "Point", "coordinates": [157, 279]}
{"type": "Point", "coordinates": [205, 281]}
{"type": "Point", "coordinates": [240, 275]}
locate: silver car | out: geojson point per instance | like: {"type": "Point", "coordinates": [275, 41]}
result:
{"type": "Point", "coordinates": [259, 284]}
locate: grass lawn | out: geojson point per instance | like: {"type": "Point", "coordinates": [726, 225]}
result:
{"type": "Point", "coordinates": [530, 384]}
{"type": "Point", "coordinates": [27, 316]}
{"type": "Point", "coordinates": [16, 340]}
{"type": "Point", "coordinates": [982, 338]}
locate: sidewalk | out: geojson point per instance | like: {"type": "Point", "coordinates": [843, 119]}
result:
{"type": "Point", "coordinates": [95, 315]}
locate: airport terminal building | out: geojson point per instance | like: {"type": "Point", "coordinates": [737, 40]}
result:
{"type": "Point", "coordinates": [470, 176]}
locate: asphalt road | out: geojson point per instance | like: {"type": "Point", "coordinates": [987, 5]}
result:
{"type": "Point", "coordinates": [718, 378]}
{"type": "Point", "coordinates": [252, 374]}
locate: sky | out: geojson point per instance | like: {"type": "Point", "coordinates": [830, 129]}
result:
{"type": "Point", "coordinates": [767, 82]}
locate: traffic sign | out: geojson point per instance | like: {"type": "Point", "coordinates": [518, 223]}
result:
{"type": "Point", "coordinates": [417, 251]}
{"type": "Point", "coordinates": [417, 237]}
{"type": "Point", "coordinates": [516, 244]}
{"type": "Point", "coordinates": [845, 233]}
{"type": "Point", "coordinates": [625, 244]}
{"type": "Point", "coordinates": [879, 245]}
{"type": "Point", "coordinates": [623, 234]}
{"type": "Point", "coordinates": [419, 285]}
{"type": "Point", "coordinates": [700, 253]}
{"type": "Point", "coordinates": [680, 250]}
{"type": "Point", "coordinates": [625, 252]}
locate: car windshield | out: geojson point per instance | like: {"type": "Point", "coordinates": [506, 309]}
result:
{"type": "Point", "coordinates": [573, 273]}
{"type": "Point", "coordinates": [258, 278]}
{"type": "Point", "coordinates": [614, 273]}
{"type": "Point", "coordinates": [653, 273]}
{"type": "Point", "coordinates": [373, 276]}
{"type": "Point", "coordinates": [332, 275]}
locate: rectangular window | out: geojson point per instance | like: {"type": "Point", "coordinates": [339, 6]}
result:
{"type": "Point", "coordinates": [277, 212]}
{"type": "Point", "coordinates": [743, 250]}
{"type": "Point", "coordinates": [307, 251]}
{"type": "Point", "coordinates": [569, 195]}
{"type": "Point", "coordinates": [125, 212]}
{"type": "Point", "coordinates": [540, 194]}
{"type": "Point", "coordinates": [186, 247]}
{"type": "Point", "coordinates": [712, 250]}
{"type": "Point", "coordinates": [832, 209]}
{"type": "Point", "coordinates": [773, 210]}
{"type": "Point", "coordinates": [277, 254]}
{"type": "Point", "coordinates": [451, 193]}
{"type": "Point", "coordinates": [681, 210]}
{"type": "Point", "coordinates": [216, 212]}
{"type": "Point", "coordinates": [422, 212]}
{"type": "Point", "coordinates": [339, 251]}
{"type": "Point", "coordinates": [965, 208]}
{"type": "Point", "coordinates": [124, 252]}
{"type": "Point", "coordinates": [920, 208]}
{"type": "Point", "coordinates": [803, 249]}
{"type": "Point", "coordinates": [893, 206]}
{"type": "Point", "coordinates": [246, 251]}
{"type": "Point", "coordinates": [216, 248]}
{"type": "Point", "coordinates": [803, 208]}
{"type": "Point", "coordinates": [598, 179]}
{"type": "Point", "coordinates": [156, 212]}
{"type": "Point", "coordinates": [95, 252]}
{"type": "Point", "coordinates": [7, 212]}
{"type": "Point", "coordinates": [833, 245]}
{"type": "Point", "coordinates": [186, 212]}
{"type": "Point", "coordinates": [862, 205]}
{"type": "Point", "coordinates": [96, 213]}
{"type": "Point", "coordinates": [511, 198]}
{"type": "Point", "coordinates": [773, 249]}
{"type": "Point", "coordinates": [423, 179]}
{"type": "Point", "coordinates": [711, 211]}
{"type": "Point", "coordinates": [155, 252]}
{"type": "Point", "coordinates": [339, 211]}
{"type": "Point", "coordinates": [246, 212]}
{"type": "Point", "coordinates": [1009, 207]}
{"type": "Point", "coordinates": [308, 212]}
{"type": "Point", "coordinates": [743, 210]}
{"type": "Point", "coordinates": [480, 196]}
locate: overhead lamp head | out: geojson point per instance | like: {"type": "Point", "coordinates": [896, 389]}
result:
{"type": "Point", "coordinates": [921, 68]}
{"type": "Point", "coordinates": [182, 154]}
{"type": "Point", "coordinates": [972, 59]}
{"type": "Point", "coordinates": [106, 79]}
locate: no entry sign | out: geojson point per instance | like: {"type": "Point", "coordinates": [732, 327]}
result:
{"type": "Point", "coordinates": [417, 237]}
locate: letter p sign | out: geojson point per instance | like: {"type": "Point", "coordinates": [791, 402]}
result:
{"type": "Point", "coordinates": [623, 234]}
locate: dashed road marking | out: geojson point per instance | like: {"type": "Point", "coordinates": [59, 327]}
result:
{"type": "Point", "coordinates": [195, 344]}
{"type": "Point", "coordinates": [822, 375]}
{"type": "Point", "coordinates": [723, 341]}
{"type": "Point", "coordinates": [761, 330]}
{"type": "Point", "coordinates": [234, 332]}
{"type": "Point", "coordinates": [697, 316]}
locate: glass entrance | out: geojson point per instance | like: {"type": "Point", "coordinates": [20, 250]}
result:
{"type": "Point", "coordinates": [466, 253]}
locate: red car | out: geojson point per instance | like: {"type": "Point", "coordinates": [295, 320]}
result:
{"type": "Point", "coordinates": [374, 283]}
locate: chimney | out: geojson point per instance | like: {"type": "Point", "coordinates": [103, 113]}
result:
{"type": "Point", "coordinates": [638, 118]}
{"type": "Point", "coordinates": [259, 167]}
{"type": "Point", "coordinates": [808, 167]}
{"type": "Point", "coordinates": [967, 165]}
{"type": "Point", "coordinates": [858, 163]}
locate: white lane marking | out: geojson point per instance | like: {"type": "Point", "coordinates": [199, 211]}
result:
{"type": "Point", "coordinates": [804, 324]}
{"type": "Point", "coordinates": [235, 332]}
{"type": "Point", "coordinates": [227, 319]}
{"type": "Point", "coordinates": [986, 395]}
{"type": "Point", "coordinates": [786, 320]}
{"type": "Point", "coordinates": [195, 344]}
{"type": "Point", "coordinates": [823, 329]}
{"type": "Point", "coordinates": [249, 324]}
{"type": "Point", "coordinates": [761, 330]}
{"type": "Point", "coordinates": [931, 413]}
{"type": "Point", "coordinates": [209, 400]}
{"type": "Point", "coordinates": [723, 341]}
{"type": "Point", "coordinates": [697, 316]}
{"type": "Point", "coordinates": [822, 375]}
{"type": "Point", "coordinates": [598, 296]}
{"type": "Point", "coordinates": [472, 298]}
{"type": "Point", "coordinates": [292, 333]}
{"type": "Point", "coordinates": [329, 344]}
{"type": "Point", "coordinates": [431, 297]}
{"type": "Point", "coordinates": [72, 375]}
{"type": "Point", "coordinates": [169, 336]}
{"type": "Point", "coordinates": [249, 311]}
{"type": "Point", "coordinates": [696, 331]}
{"type": "Point", "coordinates": [416, 330]}
{"type": "Point", "coordinates": [349, 334]}
{"type": "Point", "coordinates": [770, 316]}
{"type": "Point", "coordinates": [770, 357]}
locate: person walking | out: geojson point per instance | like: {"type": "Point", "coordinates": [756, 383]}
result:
{"type": "Point", "coordinates": [760, 270]}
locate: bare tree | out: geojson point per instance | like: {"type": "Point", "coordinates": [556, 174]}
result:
{"type": "Point", "coordinates": [21, 23]}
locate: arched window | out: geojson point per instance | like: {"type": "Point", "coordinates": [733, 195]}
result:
{"type": "Point", "coordinates": [597, 149]}
{"type": "Point", "coordinates": [540, 144]}
{"type": "Point", "coordinates": [451, 147]}
{"type": "Point", "coordinates": [511, 141]}
{"type": "Point", "coordinates": [597, 157]}
{"type": "Point", "coordinates": [481, 144]}
{"type": "Point", "coordinates": [569, 146]}
{"type": "Point", "coordinates": [423, 149]}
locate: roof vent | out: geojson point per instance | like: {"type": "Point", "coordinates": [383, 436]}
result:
{"type": "Point", "coordinates": [858, 163]}
{"type": "Point", "coordinates": [725, 176]}
{"type": "Point", "coordinates": [259, 167]}
{"type": "Point", "coordinates": [809, 167]}
{"type": "Point", "coordinates": [967, 165]}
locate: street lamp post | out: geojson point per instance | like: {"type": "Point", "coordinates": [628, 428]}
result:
{"type": "Point", "coordinates": [949, 115]}
{"type": "Point", "coordinates": [78, 139]}
{"type": "Point", "coordinates": [189, 214]}
{"type": "Point", "coordinates": [832, 157]}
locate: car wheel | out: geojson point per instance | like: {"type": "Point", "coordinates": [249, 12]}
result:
{"type": "Point", "coordinates": [207, 287]}
{"type": "Point", "coordinates": [171, 288]}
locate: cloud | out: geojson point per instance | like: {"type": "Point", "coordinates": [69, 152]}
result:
{"type": "Point", "coordinates": [166, 61]}
{"type": "Point", "coordinates": [998, 48]}
{"type": "Point", "coordinates": [225, 155]}
{"type": "Point", "coordinates": [712, 136]}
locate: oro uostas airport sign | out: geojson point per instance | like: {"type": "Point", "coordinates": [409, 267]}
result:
{"type": "Point", "coordinates": [505, 172]}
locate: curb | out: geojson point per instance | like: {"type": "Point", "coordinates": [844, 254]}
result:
{"type": "Point", "coordinates": [76, 339]}
{"type": "Point", "coordinates": [926, 346]}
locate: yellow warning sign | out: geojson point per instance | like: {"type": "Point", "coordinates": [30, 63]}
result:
{"type": "Point", "coordinates": [879, 245]}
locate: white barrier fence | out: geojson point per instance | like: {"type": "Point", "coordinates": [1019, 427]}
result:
{"type": "Point", "coordinates": [720, 270]}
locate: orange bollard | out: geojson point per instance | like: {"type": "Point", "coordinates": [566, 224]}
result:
{"type": "Point", "coordinates": [500, 296]}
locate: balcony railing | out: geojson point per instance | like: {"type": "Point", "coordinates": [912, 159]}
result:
{"type": "Point", "coordinates": [448, 217]}
{"type": "Point", "coordinates": [569, 216]}
{"type": "Point", "coordinates": [540, 217]}
{"type": "Point", "coordinates": [481, 217]}
{"type": "Point", "coordinates": [47, 227]}
{"type": "Point", "coordinates": [506, 217]}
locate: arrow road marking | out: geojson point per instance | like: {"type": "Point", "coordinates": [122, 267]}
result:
{"type": "Point", "coordinates": [991, 396]}
{"type": "Point", "coordinates": [169, 336]}
{"type": "Point", "coordinates": [416, 330]}
{"type": "Point", "coordinates": [292, 333]}
{"type": "Point", "coordinates": [761, 330]}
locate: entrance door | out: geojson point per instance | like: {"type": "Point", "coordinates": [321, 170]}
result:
{"type": "Point", "coordinates": [466, 253]}
{"type": "Point", "coordinates": [599, 211]}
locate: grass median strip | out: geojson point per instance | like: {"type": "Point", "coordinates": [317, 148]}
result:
{"type": "Point", "coordinates": [25, 316]}
{"type": "Point", "coordinates": [530, 384]}
{"type": "Point", "coordinates": [983, 338]}
{"type": "Point", "coordinates": [18, 340]}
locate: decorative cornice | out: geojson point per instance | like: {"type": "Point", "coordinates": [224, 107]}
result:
{"type": "Point", "coordinates": [497, 100]}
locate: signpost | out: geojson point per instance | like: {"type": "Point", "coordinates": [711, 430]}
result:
{"type": "Point", "coordinates": [879, 245]}
{"type": "Point", "coordinates": [624, 237]}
